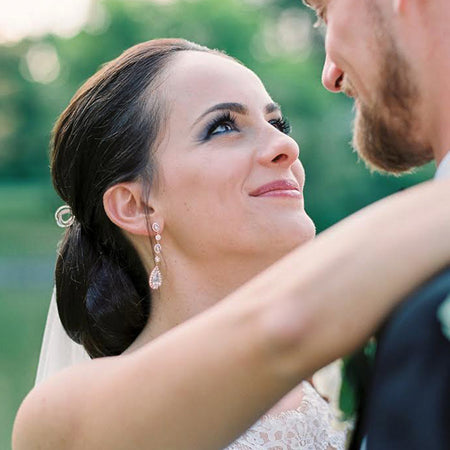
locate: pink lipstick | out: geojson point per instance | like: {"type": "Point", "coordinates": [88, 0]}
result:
{"type": "Point", "coordinates": [279, 188]}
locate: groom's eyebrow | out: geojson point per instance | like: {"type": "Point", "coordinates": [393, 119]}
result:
{"type": "Point", "coordinates": [238, 108]}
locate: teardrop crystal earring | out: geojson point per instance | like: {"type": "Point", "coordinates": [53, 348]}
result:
{"type": "Point", "coordinates": [155, 279]}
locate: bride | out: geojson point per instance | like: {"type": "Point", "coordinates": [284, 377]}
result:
{"type": "Point", "coordinates": [183, 185]}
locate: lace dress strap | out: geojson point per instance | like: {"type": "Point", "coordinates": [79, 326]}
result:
{"type": "Point", "coordinates": [312, 426]}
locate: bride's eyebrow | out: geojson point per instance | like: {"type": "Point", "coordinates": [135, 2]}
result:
{"type": "Point", "coordinates": [231, 106]}
{"type": "Point", "coordinates": [238, 108]}
{"type": "Point", "coordinates": [272, 107]}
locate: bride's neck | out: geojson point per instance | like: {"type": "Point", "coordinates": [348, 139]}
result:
{"type": "Point", "coordinates": [190, 287]}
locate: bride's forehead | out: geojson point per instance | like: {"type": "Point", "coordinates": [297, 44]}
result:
{"type": "Point", "coordinates": [197, 71]}
{"type": "Point", "coordinates": [197, 77]}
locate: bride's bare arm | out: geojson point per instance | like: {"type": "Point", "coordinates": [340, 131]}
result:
{"type": "Point", "coordinates": [203, 383]}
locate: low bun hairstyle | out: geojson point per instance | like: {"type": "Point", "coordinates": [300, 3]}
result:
{"type": "Point", "coordinates": [106, 136]}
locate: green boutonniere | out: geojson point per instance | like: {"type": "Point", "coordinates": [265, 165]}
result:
{"type": "Point", "coordinates": [443, 315]}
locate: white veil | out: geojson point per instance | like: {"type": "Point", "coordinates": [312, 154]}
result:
{"type": "Point", "coordinates": [58, 351]}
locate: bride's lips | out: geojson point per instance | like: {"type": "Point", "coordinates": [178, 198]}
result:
{"type": "Point", "coordinates": [278, 188]}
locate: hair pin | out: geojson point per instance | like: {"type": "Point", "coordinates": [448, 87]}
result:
{"type": "Point", "coordinates": [64, 216]}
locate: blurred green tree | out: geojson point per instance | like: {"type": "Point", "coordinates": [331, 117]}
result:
{"type": "Point", "coordinates": [274, 39]}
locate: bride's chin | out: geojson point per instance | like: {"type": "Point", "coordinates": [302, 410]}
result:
{"type": "Point", "coordinates": [301, 235]}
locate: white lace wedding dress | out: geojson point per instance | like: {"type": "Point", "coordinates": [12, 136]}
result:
{"type": "Point", "coordinates": [311, 426]}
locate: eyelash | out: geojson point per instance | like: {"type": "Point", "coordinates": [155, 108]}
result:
{"type": "Point", "coordinates": [282, 124]}
{"type": "Point", "coordinates": [228, 119]}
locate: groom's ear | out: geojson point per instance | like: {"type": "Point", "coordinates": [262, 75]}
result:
{"type": "Point", "coordinates": [124, 206]}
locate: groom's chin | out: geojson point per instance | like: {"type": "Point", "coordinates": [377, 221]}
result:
{"type": "Point", "coordinates": [384, 149]}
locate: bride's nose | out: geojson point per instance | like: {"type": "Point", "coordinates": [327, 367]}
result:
{"type": "Point", "coordinates": [278, 149]}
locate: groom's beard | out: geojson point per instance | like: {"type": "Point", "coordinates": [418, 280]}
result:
{"type": "Point", "coordinates": [385, 134]}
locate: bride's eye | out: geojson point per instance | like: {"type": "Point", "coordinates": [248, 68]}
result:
{"type": "Point", "coordinates": [222, 128]}
{"type": "Point", "coordinates": [282, 124]}
{"type": "Point", "coordinates": [223, 124]}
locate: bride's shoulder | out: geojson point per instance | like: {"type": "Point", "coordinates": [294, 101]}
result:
{"type": "Point", "coordinates": [51, 414]}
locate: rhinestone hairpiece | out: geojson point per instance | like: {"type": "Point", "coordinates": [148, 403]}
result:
{"type": "Point", "coordinates": [64, 216]}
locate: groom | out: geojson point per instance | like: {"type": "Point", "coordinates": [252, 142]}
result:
{"type": "Point", "coordinates": [393, 58]}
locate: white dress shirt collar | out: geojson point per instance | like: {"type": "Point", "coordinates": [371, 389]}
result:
{"type": "Point", "coordinates": [443, 171]}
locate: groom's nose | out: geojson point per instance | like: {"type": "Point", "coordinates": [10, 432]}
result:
{"type": "Point", "coordinates": [332, 75]}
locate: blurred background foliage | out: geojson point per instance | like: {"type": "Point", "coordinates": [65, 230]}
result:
{"type": "Point", "coordinates": [39, 75]}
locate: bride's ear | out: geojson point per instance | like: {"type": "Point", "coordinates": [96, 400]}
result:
{"type": "Point", "coordinates": [124, 206]}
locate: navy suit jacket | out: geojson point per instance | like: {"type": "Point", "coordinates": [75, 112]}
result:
{"type": "Point", "coordinates": [408, 405]}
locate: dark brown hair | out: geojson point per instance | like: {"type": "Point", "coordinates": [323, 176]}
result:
{"type": "Point", "coordinates": [105, 136]}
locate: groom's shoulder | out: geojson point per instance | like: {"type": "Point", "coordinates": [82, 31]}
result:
{"type": "Point", "coordinates": [413, 349]}
{"type": "Point", "coordinates": [428, 296]}
{"type": "Point", "coordinates": [420, 317]}
{"type": "Point", "coordinates": [436, 286]}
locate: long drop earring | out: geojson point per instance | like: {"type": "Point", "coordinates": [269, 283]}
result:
{"type": "Point", "coordinates": [155, 279]}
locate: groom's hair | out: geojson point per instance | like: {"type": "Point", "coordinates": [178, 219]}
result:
{"type": "Point", "coordinates": [107, 135]}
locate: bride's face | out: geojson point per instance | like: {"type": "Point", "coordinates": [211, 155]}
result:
{"type": "Point", "coordinates": [229, 181]}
